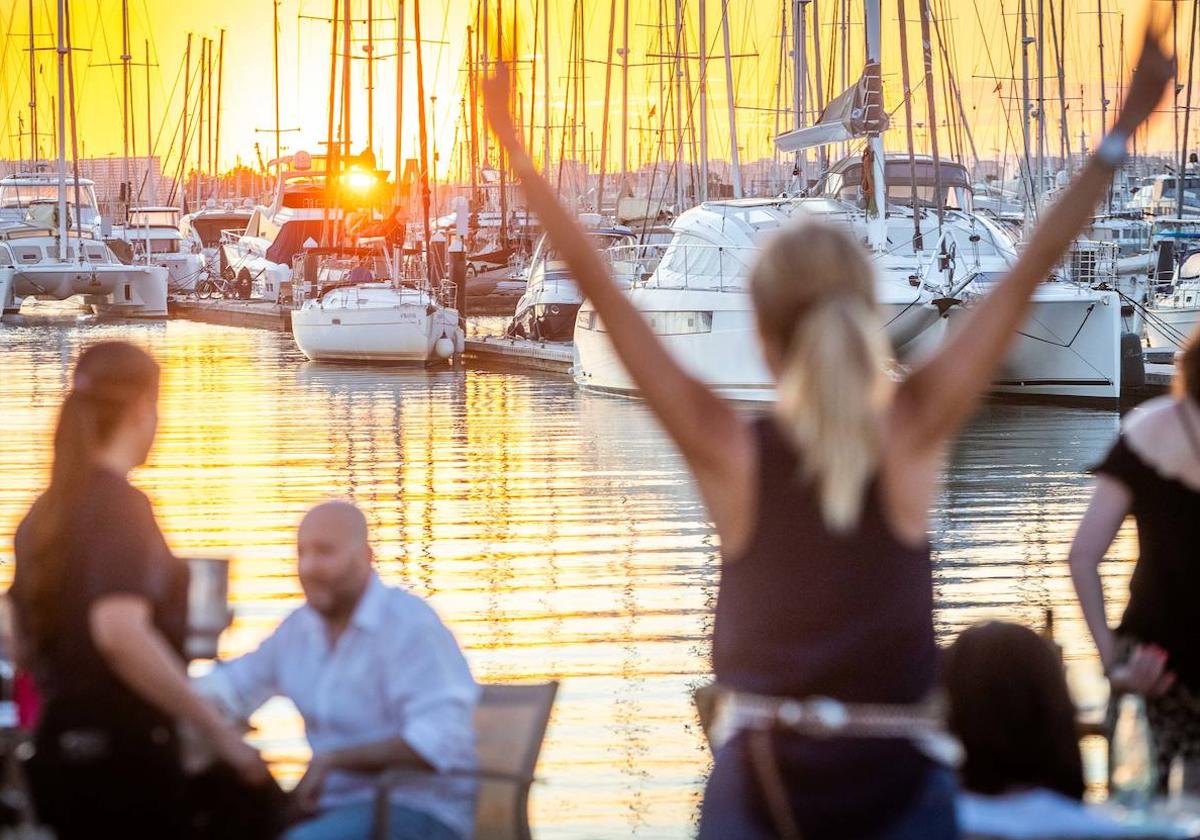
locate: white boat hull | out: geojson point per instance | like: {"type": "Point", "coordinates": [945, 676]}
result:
{"type": "Point", "coordinates": [1172, 326]}
{"type": "Point", "coordinates": [407, 334]}
{"type": "Point", "coordinates": [728, 358]}
{"type": "Point", "coordinates": [1068, 349]}
{"type": "Point", "coordinates": [125, 290]}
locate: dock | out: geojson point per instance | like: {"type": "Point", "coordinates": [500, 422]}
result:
{"type": "Point", "coordinates": [253, 314]}
{"type": "Point", "coordinates": [550, 356]}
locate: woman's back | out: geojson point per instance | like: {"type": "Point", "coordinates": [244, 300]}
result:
{"type": "Point", "coordinates": [803, 611]}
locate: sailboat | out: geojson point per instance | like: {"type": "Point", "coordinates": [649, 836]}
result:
{"type": "Point", "coordinates": [51, 256]}
{"type": "Point", "coordinates": [364, 304]}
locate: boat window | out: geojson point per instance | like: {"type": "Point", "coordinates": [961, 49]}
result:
{"type": "Point", "coordinates": [697, 262]}
{"type": "Point", "coordinates": [164, 246]}
{"type": "Point", "coordinates": [6, 257]}
{"type": "Point", "coordinates": [21, 195]}
{"type": "Point", "coordinates": [154, 218]}
{"type": "Point", "coordinates": [95, 253]}
{"type": "Point", "coordinates": [28, 253]}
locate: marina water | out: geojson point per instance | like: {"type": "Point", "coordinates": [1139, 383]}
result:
{"type": "Point", "coordinates": [557, 532]}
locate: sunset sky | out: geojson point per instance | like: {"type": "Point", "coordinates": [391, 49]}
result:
{"type": "Point", "coordinates": [980, 36]}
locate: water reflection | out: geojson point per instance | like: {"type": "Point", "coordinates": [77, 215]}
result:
{"type": "Point", "coordinates": [557, 532]}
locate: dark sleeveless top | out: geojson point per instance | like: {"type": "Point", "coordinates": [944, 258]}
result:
{"type": "Point", "coordinates": [805, 612]}
{"type": "Point", "coordinates": [1165, 586]}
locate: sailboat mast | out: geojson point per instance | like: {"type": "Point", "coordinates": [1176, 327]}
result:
{"type": "Point", "coordinates": [423, 141]}
{"type": "Point", "coordinates": [1026, 108]}
{"type": "Point", "coordinates": [501, 157]}
{"type": "Point", "coordinates": [546, 89]}
{"type": "Point", "coordinates": [1181, 177]}
{"type": "Point", "coordinates": [208, 137]}
{"type": "Point", "coordinates": [703, 95]}
{"type": "Point", "coordinates": [608, 63]}
{"type": "Point", "coordinates": [149, 140]}
{"type": "Point", "coordinates": [125, 185]}
{"type": "Point", "coordinates": [735, 164]}
{"type": "Point", "coordinates": [918, 243]}
{"type": "Point", "coordinates": [62, 136]}
{"type": "Point", "coordinates": [275, 60]}
{"type": "Point", "coordinates": [799, 83]}
{"type": "Point", "coordinates": [1103, 90]}
{"type": "Point", "coordinates": [371, 75]}
{"type": "Point", "coordinates": [625, 92]}
{"type": "Point", "coordinates": [1041, 98]}
{"type": "Point", "coordinates": [216, 160]}
{"type": "Point", "coordinates": [187, 89]}
{"type": "Point", "coordinates": [400, 91]}
{"type": "Point", "coordinates": [33, 131]}
{"type": "Point", "coordinates": [931, 104]}
{"type": "Point", "coordinates": [877, 201]}
{"type": "Point", "coordinates": [347, 31]}
{"type": "Point", "coordinates": [823, 156]}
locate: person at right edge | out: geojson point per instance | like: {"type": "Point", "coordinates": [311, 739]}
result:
{"type": "Point", "coordinates": [1152, 472]}
{"type": "Point", "coordinates": [822, 507]}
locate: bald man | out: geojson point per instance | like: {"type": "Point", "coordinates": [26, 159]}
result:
{"type": "Point", "coordinates": [379, 681]}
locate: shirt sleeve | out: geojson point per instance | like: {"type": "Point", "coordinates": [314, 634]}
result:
{"type": "Point", "coordinates": [432, 695]}
{"type": "Point", "coordinates": [243, 684]}
{"type": "Point", "coordinates": [123, 552]}
{"type": "Point", "coordinates": [1123, 464]}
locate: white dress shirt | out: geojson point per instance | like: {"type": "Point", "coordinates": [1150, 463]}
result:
{"type": "Point", "coordinates": [395, 670]}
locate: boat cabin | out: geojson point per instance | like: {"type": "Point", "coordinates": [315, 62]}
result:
{"type": "Point", "coordinates": [843, 181]}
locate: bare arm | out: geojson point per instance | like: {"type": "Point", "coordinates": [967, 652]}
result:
{"type": "Point", "coordinates": [124, 635]}
{"type": "Point", "coordinates": [1107, 510]}
{"type": "Point", "coordinates": [938, 396]}
{"type": "Point", "coordinates": [703, 426]}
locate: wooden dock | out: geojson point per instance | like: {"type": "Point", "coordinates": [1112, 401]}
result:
{"type": "Point", "coordinates": [254, 314]}
{"type": "Point", "coordinates": [554, 357]}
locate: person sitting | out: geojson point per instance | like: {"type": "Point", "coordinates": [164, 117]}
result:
{"type": "Point", "coordinates": [1009, 706]}
{"type": "Point", "coordinates": [380, 682]}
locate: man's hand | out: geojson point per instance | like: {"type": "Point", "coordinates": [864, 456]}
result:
{"type": "Point", "coordinates": [307, 793]}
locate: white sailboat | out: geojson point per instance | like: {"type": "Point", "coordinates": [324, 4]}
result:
{"type": "Point", "coordinates": [360, 309]}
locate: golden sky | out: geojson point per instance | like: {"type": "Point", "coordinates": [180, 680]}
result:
{"type": "Point", "coordinates": [980, 37]}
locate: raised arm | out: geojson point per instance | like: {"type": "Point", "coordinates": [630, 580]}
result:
{"type": "Point", "coordinates": [935, 400]}
{"type": "Point", "coordinates": [703, 426]}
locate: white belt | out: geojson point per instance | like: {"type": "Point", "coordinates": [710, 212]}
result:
{"type": "Point", "coordinates": [824, 717]}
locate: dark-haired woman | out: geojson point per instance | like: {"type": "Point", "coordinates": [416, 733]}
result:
{"type": "Point", "coordinates": [99, 608]}
{"type": "Point", "coordinates": [1152, 472]}
{"type": "Point", "coordinates": [822, 507]}
{"type": "Point", "coordinates": [1009, 706]}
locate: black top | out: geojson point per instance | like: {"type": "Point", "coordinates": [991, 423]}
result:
{"type": "Point", "coordinates": [1166, 580]}
{"type": "Point", "coordinates": [808, 612]}
{"type": "Point", "coordinates": [115, 547]}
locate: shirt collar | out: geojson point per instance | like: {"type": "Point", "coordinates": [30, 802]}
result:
{"type": "Point", "coordinates": [369, 612]}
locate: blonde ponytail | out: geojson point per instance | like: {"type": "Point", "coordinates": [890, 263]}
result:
{"type": "Point", "coordinates": [830, 390]}
{"type": "Point", "coordinates": [813, 289]}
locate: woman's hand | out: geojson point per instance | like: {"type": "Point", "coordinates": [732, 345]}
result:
{"type": "Point", "coordinates": [1155, 68]}
{"type": "Point", "coordinates": [1145, 672]}
{"type": "Point", "coordinates": [244, 759]}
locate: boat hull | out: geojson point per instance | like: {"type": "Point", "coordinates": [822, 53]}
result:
{"type": "Point", "coordinates": [1172, 326]}
{"type": "Point", "coordinates": [1068, 349]}
{"type": "Point", "coordinates": [406, 334]}
{"type": "Point", "coordinates": [124, 290]}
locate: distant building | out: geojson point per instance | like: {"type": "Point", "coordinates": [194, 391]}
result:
{"type": "Point", "coordinates": [147, 187]}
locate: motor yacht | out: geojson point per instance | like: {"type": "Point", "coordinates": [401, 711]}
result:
{"type": "Point", "coordinates": [151, 236]}
{"type": "Point", "coordinates": [1174, 315]}
{"type": "Point", "coordinates": [546, 310]}
{"type": "Point", "coordinates": [203, 229]}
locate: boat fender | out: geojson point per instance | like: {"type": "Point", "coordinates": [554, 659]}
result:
{"type": "Point", "coordinates": [1133, 362]}
{"type": "Point", "coordinates": [460, 340]}
{"type": "Point", "coordinates": [443, 347]}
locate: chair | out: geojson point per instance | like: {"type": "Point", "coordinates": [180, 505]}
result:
{"type": "Point", "coordinates": [510, 725]}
